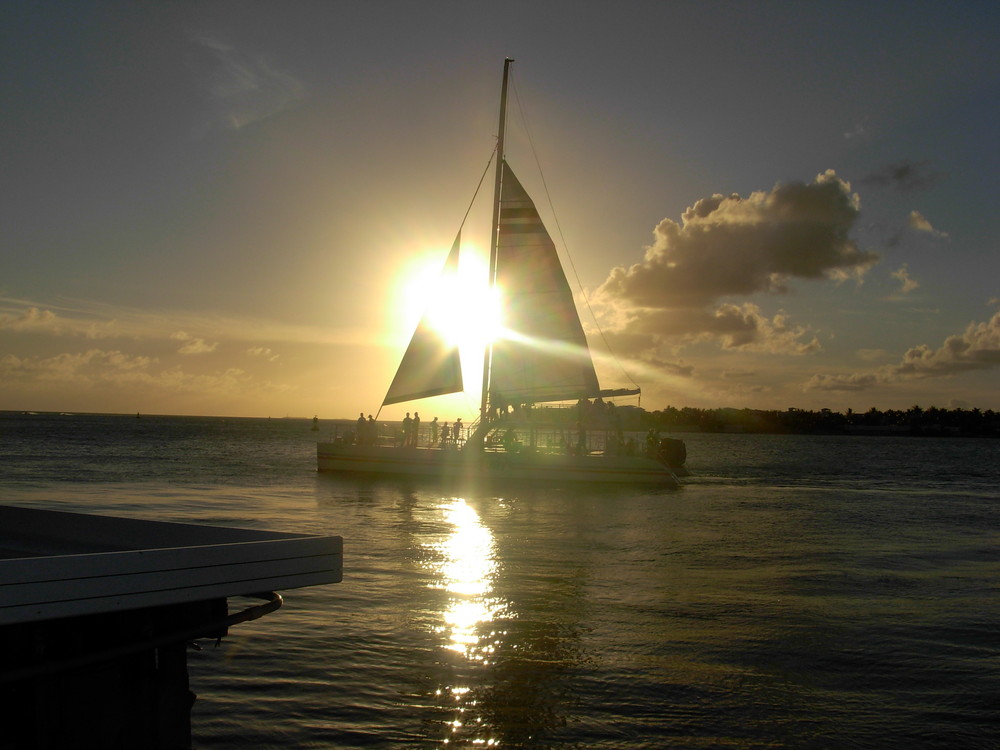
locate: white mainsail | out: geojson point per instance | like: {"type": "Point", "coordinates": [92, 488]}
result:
{"type": "Point", "coordinates": [430, 366]}
{"type": "Point", "coordinates": [543, 355]}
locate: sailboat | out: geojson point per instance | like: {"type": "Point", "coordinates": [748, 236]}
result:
{"type": "Point", "coordinates": [541, 360]}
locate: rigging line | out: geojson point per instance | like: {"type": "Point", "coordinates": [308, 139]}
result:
{"type": "Point", "coordinates": [562, 239]}
{"type": "Point", "coordinates": [476, 193]}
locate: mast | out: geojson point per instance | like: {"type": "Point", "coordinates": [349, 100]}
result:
{"type": "Point", "coordinates": [495, 230]}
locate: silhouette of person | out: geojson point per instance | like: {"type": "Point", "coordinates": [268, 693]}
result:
{"type": "Point", "coordinates": [652, 440]}
{"type": "Point", "coordinates": [434, 431]}
{"type": "Point", "coordinates": [361, 429]}
{"type": "Point", "coordinates": [458, 430]}
{"type": "Point", "coordinates": [415, 429]}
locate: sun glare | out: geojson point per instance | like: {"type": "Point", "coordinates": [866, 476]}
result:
{"type": "Point", "coordinates": [467, 311]}
{"type": "Point", "coordinates": [459, 306]}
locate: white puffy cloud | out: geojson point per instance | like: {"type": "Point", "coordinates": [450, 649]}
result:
{"type": "Point", "coordinates": [977, 348]}
{"type": "Point", "coordinates": [728, 245]}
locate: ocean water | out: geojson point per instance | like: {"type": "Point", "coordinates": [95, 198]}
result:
{"type": "Point", "coordinates": [796, 592]}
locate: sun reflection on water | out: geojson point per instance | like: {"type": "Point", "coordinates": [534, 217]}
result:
{"type": "Point", "coordinates": [466, 568]}
{"type": "Point", "coordinates": [466, 571]}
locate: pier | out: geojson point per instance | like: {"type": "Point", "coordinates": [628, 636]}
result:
{"type": "Point", "coordinates": [96, 614]}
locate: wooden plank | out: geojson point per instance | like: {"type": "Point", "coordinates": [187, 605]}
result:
{"type": "Point", "coordinates": [68, 567]}
{"type": "Point", "coordinates": [164, 563]}
{"type": "Point", "coordinates": [127, 582]}
{"type": "Point", "coordinates": [138, 600]}
{"type": "Point", "coordinates": [65, 533]}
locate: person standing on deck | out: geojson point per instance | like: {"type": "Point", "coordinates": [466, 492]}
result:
{"type": "Point", "coordinates": [457, 430]}
{"type": "Point", "coordinates": [407, 421]}
{"type": "Point", "coordinates": [434, 431]}
{"type": "Point", "coordinates": [361, 437]}
{"type": "Point", "coordinates": [415, 430]}
{"type": "Point", "coordinates": [652, 441]}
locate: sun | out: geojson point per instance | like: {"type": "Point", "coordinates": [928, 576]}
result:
{"type": "Point", "coordinates": [466, 311]}
{"type": "Point", "coordinates": [461, 307]}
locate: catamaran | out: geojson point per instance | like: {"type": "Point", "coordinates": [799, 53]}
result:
{"type": "Point", "coordinates": [542, 359]}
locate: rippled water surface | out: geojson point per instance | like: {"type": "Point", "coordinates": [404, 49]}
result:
{"type": "Point", "coordinates": [796, 592]}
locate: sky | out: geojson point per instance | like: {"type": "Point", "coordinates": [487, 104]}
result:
{"type": "Point", "coordinates": [236, 208]}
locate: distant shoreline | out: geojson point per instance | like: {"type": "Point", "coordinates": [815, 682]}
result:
{"type": "Point", "coordinates": [914, 422]}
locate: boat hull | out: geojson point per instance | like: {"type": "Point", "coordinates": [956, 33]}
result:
{"type": "Point", "coordinates": [491, 466]}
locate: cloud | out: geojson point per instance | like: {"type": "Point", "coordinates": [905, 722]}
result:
{"type": "Point", "coordinates": [194, 345]}
{"type": "Point", "coordinates": [671, 368]}
{"type": "Point", "coordinates": [903, 274]}
{"type": "Point", "coordinates": [646, 331]}
{"type": "Point", "coordinates": [80, 368]}
{"type": "Point", "coordinates": [872, 354]}
{"type": "Point", "coordinates": [851, 382]}
{"type": "Point", "coordinates": [98, 368]}
{"type": "Point", "coordinates": [198, 346]}
{"type": "Point", "coordinates": [903, 176]}
{"type": "Point", "coordinates": [728, 245]}
{"type": "Point", "coordinates": [977, 348]}
{"type": "Point", "coordinates": [97, 320]}
{"type": "Point", "coordinates": [34, 320]}
{"type": "Point", "coordinates": [261, 351]}
{"type": "Point", "coordinates": [917, 221]}
{"type": "Point", "coordinates": [31, 319]}
{"type": "Point", "coordinates": [243, 89]}
{"type": "Point", "coordinates": [859, 130]}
